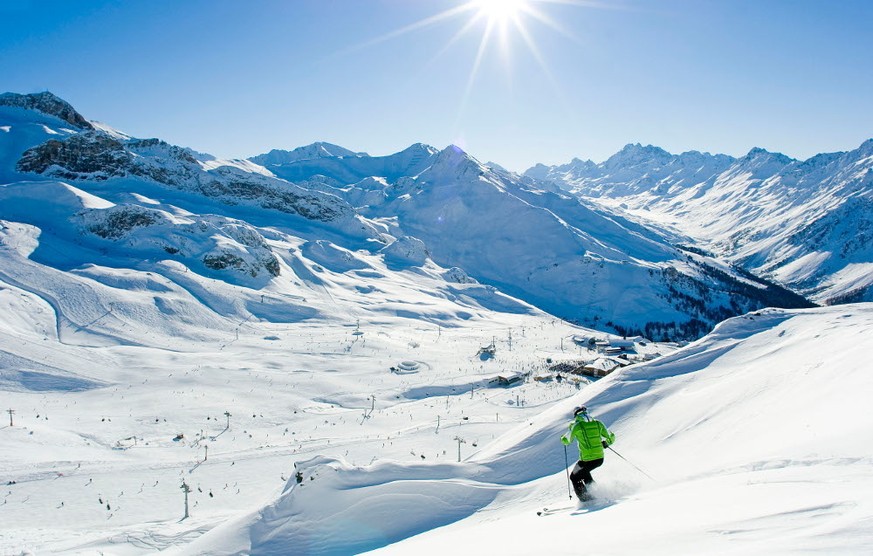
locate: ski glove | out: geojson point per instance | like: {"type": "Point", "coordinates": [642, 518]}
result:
{"type": "Point", "coordinates": [605, 443]}
{"type": "Point", "coordinates": [565, 441]}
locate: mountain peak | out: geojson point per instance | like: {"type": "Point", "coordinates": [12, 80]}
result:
{"type": "Point", "coordinates": [633, 148]}
{"type": "Point", "coordinates": [636, 153]}
{"type": "Point", "coordinates": [312, 151]}
{"type": "Point", "coordinates": [454, 149]}
{"type": "Point", "coordinates": [763, 155]}
{"type": "Point", "coordinates": [422, 148]}
{"type": "Point", "coordinates": [455, 162]}
{"type": "Point", "coordinates": [455, 155]}
{"type": "Point", "coordinates": [47, 103]}
{"type": "Point", "coordinates": [576, 167]}
{"type": "Point", "coordinates": [576, 161]}
{"type": "Point", "coordinates": [323, 149]}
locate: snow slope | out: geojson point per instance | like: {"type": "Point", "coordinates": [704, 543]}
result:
{"type": "Point", "coordinates": [121, 379]}
{"type": "Point", "coordinates": [807, 224]}
{"type": "Point", "coordinates": [755, 437]}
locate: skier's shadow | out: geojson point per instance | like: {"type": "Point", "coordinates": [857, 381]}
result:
{"type": "Point", "coordinates": [594, 506]}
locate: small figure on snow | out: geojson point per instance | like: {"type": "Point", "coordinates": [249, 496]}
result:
{"type": "Point", "coordinates": [592, 437]}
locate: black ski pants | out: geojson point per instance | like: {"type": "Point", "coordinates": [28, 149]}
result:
{"type": "Point", "coordinates": [581, 474]}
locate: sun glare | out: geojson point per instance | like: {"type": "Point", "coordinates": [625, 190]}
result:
{"type": "Point", "coordinates": [499, 10]}
{"type": "Point", "coordinates": [501, 22]}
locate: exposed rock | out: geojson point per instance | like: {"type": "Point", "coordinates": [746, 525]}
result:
{"type": "Point", "coordinates": [47, 103]}
{"type": "Point", "coordinates": [218, 242]}
{"type": "Point", "coordinates": [271, 263]}
{"type": "Point", "coordinates": [88, 155]}
{"type": "Point", "coordinates": [94, 155]}
{"type": "Point", "coordinates": [458, 276]}
{"type": "Point", "coordinates": [120, 220]}
{"type": "Point", "coordinates": [223, 261]}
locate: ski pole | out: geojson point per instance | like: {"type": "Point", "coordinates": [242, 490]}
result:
{"type": "Point", "coordinates": [629, 463]}
{"type": "Point", "coordinates": [567, 468]}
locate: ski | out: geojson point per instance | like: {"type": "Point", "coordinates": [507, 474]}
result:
{"type": "Point", "coordinates": [576, 508]}
{"type": "Point", "coordinates": [550, 511]}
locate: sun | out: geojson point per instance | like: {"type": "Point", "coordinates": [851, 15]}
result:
{"type": "Point", "coordinates": [499, 11]}
{"type": "Point", "coordinates": [501, 23]}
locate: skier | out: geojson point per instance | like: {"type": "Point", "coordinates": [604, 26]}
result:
{"type": "Point", "coordinates": [592, 437]}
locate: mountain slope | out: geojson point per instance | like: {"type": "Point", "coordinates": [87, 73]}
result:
{"type": "Point", "coordinates": [739, 430]}
{"type": "Point", "coordinates": [806, 224]}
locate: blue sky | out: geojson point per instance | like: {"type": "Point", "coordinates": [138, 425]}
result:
{"type": "Point", "coordinates": [238, 78]}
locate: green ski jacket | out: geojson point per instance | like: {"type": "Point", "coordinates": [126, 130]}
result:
{"type": "Point", "coordinates": [588, 434]}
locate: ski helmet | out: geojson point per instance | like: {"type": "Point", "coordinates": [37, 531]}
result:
{"type": "Point", "coordinates": [581, 410]}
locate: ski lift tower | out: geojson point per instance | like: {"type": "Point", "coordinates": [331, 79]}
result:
{"type": "Point", "coordinates": [460, 441]}
{"type": "Point", "coordinates": [186, 489]}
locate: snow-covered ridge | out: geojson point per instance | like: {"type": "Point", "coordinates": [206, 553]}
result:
{"type": "Point", "coordinates": [278, 157]}
{"type": "Point", "coordinates": [206, 244]}
{"type": "Point", "coordinates": [342, 166]}
{"type": "Point", "coordinates": [764, 211]}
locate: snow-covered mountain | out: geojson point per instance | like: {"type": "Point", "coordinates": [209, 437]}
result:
{"type": "Point", "coordinates": [95, 156]}
{"type": "Point", "coordinates": [806, 224]}
{"type": "Point", "coordinates": [278, 157]}
{"type": "Point", "coordinates": [200, 357]}
{"type": "Point", "coordinates": [575, 260]}
{"type": "Point", "coordinates": [345, 167]}
{"type": "Point", "coordinates": [150, 232]}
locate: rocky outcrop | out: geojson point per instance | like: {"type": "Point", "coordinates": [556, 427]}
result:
{"type": "Point", "coordinates": [90, 155]}
{"type": "Point", "coordinates": [119, 221]}
{"type": "Point", "coordinates": [233, 188]}
{"type": "Point", "coordinates": [94, 155]}
{"type": "Point", "coordinates": [219, 243]}
{"type": "Point", "coordinates": [46, 103]}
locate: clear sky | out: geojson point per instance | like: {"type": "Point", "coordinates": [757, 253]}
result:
{"type": "Point", "coordinates": [576, 79]}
